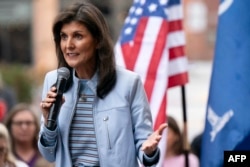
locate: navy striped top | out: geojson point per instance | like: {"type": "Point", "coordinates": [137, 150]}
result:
{"type": "Point", "coordinates": [82, 139]}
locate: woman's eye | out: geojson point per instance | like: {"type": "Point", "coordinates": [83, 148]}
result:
{"type": "Point", "coordinates": [63, 36]}
{"type": "Point", "coordinates": [78, 36]}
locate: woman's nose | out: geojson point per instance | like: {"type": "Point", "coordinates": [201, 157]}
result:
{"type": "Point", "coordinates": [70, 44]}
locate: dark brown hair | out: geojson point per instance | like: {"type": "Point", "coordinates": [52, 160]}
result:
{"type": "Point", "coordinates": [91, 17]}
{"type": "Point", "coordinates": [19, 108]}
{"type": "Point", "coordinates": [178, 145]}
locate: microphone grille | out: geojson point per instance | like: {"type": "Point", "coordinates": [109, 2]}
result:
{"type": "Point", "coordinates": [63, 72]}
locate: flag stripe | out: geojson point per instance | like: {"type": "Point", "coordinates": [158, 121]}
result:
{"type": "Point", "coordinates": [160, 87]}
{"type": "Point", "coordinates": [176, 39]}
{"type": "Point", "coordinates": [175, 25]}
{"type": "Point", "coordinates": [176, 52]}
{"type": "Point", "coordinates": [175, 79]}
{"type": "Point", "coordinates": [155, 58]}
{"type": "Point", "coordinates": [161, 116]}
{"type": "Point", "coordinates": [181, 63]}
{"type": "Point", "coordinates": [148, 41]}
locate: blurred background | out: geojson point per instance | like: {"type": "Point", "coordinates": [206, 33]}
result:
{"type": "Point", "coordinates": [27, 50]}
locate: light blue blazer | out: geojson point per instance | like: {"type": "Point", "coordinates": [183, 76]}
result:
{"type": "Point", "coordinates": [125, 110]}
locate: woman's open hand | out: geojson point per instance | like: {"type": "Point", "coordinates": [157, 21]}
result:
{"type": "Point", "coordinates": [150, 145]}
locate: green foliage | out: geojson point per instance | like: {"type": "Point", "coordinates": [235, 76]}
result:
{"type": "Point", "coordinates": [19, 78]}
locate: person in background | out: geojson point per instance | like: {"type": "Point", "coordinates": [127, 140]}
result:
{"type": "Point", "coordinates": [196, 145]}
{"type": "Point", "coordinates": [175, 153]}
{"type": "Point", "coordinates": [105, 119]}
{"type": "Point", "coordinates": [7, 159]}
{"type": "Point", "coordinates": [23, 125]}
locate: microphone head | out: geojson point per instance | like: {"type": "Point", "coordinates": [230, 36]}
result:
{"type": "Point", "coordinates": [63, 72]}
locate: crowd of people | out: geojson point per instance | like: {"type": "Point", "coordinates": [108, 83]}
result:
{"type": "Point", "coordinates": [19, 136]}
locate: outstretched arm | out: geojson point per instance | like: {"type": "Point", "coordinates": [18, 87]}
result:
{"type": "Point", "coordinates": [150, 145]}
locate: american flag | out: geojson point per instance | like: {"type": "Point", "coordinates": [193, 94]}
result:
{"type": "Point", "coordinates": [152, 43]}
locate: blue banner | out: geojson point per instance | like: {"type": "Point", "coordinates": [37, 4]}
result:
{"type": "Point", "coordinates": [228, 109]}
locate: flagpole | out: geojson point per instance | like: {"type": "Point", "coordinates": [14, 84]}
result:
{"type": "Point", "coordinates": [185, 138]}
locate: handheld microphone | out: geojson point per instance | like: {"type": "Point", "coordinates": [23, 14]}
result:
{"type": "Point", "coordinates": [62, 77]}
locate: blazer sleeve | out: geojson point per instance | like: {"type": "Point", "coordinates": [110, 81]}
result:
{"type": "Point", "coordinates": [47, 141]}
{"type": "Point", "coordinates": [142, 121]}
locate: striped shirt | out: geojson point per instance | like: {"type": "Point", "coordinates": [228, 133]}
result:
{"type": "Point", "coordinates": [82, 139]}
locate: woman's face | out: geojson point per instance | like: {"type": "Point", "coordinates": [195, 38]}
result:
{"type": "Point", "coordinates": [23, 127]}
{"type": "Point", "coordinates": [171, 138]}
{"type": "Point", "coordinates": [78, 46]}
